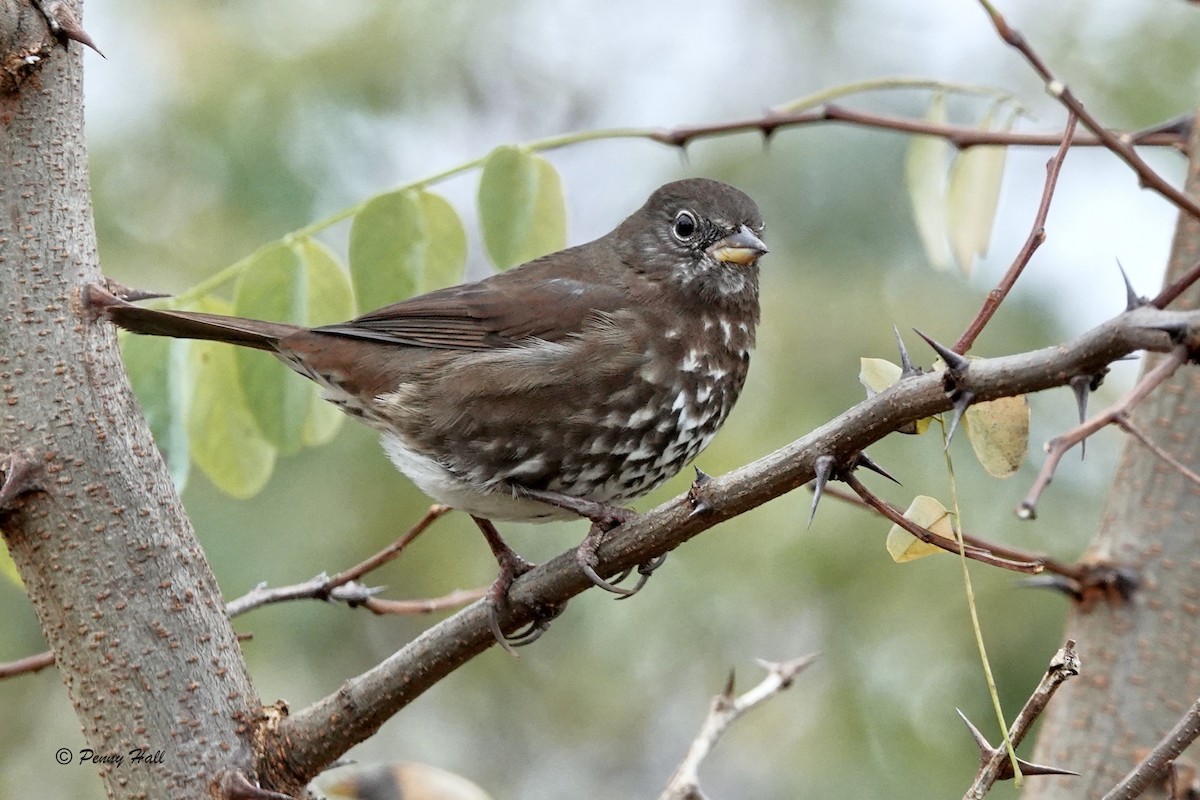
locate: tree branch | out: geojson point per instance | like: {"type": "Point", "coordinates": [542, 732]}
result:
{"type": "Point", "coordinates": [1057, 447]}
{"type": "Point", "coordinates": [1037, 235]}
{"type": "Point", "coordinates": [995, 763]}
{"type": "Point", "coordinates": [960, 136]}
{"type": "Point", "coordinates": [725, 710]}
{"type": "Point", "coordinates": [314, 737]}
{"type": "Point", "coordinates": [1120, 145]}
{"type": "Point", "coordinates": [1153, 766]}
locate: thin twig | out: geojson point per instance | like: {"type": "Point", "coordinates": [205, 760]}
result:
{"type": "Point", "coordinates": [1051, 565]}
{"type": "Point", "coordinates": [724, 710]}
{"type": "Point", "coordinates": [1152, 767]}
{"type": "Point", "coordinates": [994, 762]}
{"type": "Point", "coordinates": [1120, 145]}
{"type": "Point", "coordinates": [1177, 287]}
{"type": "Point", "coordinates": [455, 599]}
{"type": "Point", "coordinates": [1057, 447]}
{"type": "Point", "coordinates": [1126, 424]}
{"type": "Point", "coordinates": [937, 540]}
{"type": "Point", "coordinates": [960, 136]}
{"type": "Point", "coordinates": [317, 588]}
{"type": "Point", "coordinates": [342, 587]}
{"type": "Point", "coordinates": [391, 551]}
{"type": "Point", "coordinates": [1037, 235]}
{"type": "Point", "coordinates": [27, 665]}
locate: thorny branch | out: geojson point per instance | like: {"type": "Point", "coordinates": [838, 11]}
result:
{"type": "Point", "coordinates": [380, 692]}
{"type": "Point", "coordinates": [1057, 447]}
{"type": "Point", "coordinates": [960, 136]}
{"type": "Point", "coordinates": [994, 762]}
{"type": "Point", "coordinates": [725, 710]}
{"type": "Point", "coordinates": [971, 551]}
{"type": "Point", "coordinates": [1050, 565]}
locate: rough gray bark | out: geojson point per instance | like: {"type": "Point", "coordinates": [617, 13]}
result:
{"type": "Point", "coordinates": [1140, 659]}
{"type": "Point", "coordinates": [119, 582]}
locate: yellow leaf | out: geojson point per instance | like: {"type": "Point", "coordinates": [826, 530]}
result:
{"type": "Point", "coordinates": [999, 434]}
{"type": "Point", "coordinates": [925, 178]}
{"type": "Point", "coordinates": [877, 374]}
{"type": "Point", "coordinates": [928, 513]}
{"type": "Point", "coordinates": [972, 198]}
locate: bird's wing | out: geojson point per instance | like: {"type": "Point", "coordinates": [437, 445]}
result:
{"type": "Point", "coordinates": [496, 312]}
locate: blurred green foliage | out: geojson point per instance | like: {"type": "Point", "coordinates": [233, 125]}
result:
{"type": "Point", "coordinates": [218, 127]}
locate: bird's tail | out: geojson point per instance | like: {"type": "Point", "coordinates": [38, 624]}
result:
{"type": "Point", "coordinates": [187, 324]}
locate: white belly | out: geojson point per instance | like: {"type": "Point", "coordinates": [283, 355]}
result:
{"type": "Point", "coordinates": [446, 488]}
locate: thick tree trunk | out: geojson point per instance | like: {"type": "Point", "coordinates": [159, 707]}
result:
{"type": "Point", "coordinates": [119, 582]}
{"type": "Point", "coordinates": [1141, 660]}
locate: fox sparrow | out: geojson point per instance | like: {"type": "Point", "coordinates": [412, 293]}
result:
{"type": "Point", "coordinates": [574, 382]}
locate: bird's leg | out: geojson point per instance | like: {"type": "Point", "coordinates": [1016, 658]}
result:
{"type": "Point", "coordinates": [512, 566]}
{"type": "Point", "coordinates": [604, 518]}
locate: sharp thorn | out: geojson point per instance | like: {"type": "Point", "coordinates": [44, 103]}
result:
{"type": "Point", "coordinates": [955, 362]}
{"type": "Point", "coordinates": [727, 693]}
{"type": "Point", "coordinates": [960, 406]}
{"type": "Point", "coordinates": [824, 470]}
{"type": "Point", "coordinates": [906, 366]}
{"type": "Point", "coordinates": [697, 496]}
{"type": "Point", "coordinates": [1028, 768]}
{"type": "Point", "coordinates": [865, 460]}
{"type": "Point", "coordinates": [1132, 298]}
{"type": "Point", "coordinates": [1081, 385]}
{"type": "Point", "coordinates": [981, 742]}
{"type": "Point", "coordinates": [1180, 126]}
{"type": "Point", "coordinates": [1058, 583]}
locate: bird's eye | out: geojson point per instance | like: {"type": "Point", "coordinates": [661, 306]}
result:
{"type": "Point", "coordinates": [685, 226]}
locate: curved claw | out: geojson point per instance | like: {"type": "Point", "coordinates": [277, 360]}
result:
{"type": "Point", "coordinates": [644, 571]}
{"type": "Point", "coordinates": [595, 578]}
{"type": "Point", "coordinates": [497, 632]}
{"type": "Point", "coordinates": [527, 635]}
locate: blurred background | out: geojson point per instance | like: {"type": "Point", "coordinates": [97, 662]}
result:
{"type": "Point", "coordinates": [215, 127]}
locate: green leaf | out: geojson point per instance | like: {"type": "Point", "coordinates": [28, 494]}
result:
{"type": "Point", "coordinates": [403, 244]}
{"type": "Point", "coordinates": [925, 176]}
{"type": "Point", "coordinates": [301, 283]}
{"type": "Point", "coordinates": [273, 286]}
{"type": "Point", "coordinates": [521, 207]}
{"type": "Point", "coordinates": [330, 299]}
{"type": "Point", "coordinates": [387, 245]}
{"type": "Point", "coordinates": [446, 244]}
{"type": "Point", "coordinates": [928, 513]}
{"type": "Point", "coordinates": [159, 370]}
{"type": "Point", "coordinates": [225, 440]}
{"type": "Point", "coordinates": [972, 198]}
{"type": "Point", "coordinates": [999, 434]}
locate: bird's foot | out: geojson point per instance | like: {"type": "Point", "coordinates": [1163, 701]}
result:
{"type": "Point", "coordinates": [512, 566]}
{"type": "Point", "coordinates": [604, 518]}
{"type": "Point", "coordinates": [586, 558]}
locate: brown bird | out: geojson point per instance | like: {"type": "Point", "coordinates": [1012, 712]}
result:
{"type": "Point", "coordinates": [566, 385]}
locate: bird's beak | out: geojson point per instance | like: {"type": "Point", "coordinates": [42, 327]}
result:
{"type": "Point", "coordinates": [740, 247]}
